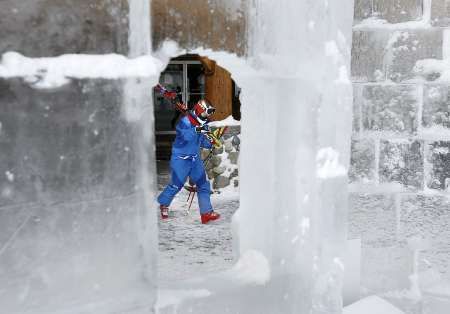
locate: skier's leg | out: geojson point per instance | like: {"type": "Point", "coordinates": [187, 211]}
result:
{"type": "Point", "coordinates": [180, 169]}
{"type": "Point", "coordinates": [198, 175]}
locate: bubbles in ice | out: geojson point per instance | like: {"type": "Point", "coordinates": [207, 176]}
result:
{"type": "Point", "coordinates": [305, 225]}
{"type": "Point", "coordinates": [338, 262]}
{"type": "Point", "coordinates": [9, 176]}
{"type": "Point", "coordinates": [92, 117]}
{"type": "Point", "coordinates": [306, 199]}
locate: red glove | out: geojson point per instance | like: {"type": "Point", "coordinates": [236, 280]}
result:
{"type": "Point", "coordinates": [181, 106]}
{"type": "Point", "coordinates": [166, 94]}
{"type": "Point", "coordinates": [169, 95]}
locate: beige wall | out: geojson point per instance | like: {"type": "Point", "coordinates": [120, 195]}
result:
{"type": "Point", "coordinates": [194, 23]}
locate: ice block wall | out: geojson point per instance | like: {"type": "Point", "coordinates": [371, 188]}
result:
{"type": "Point", "coordinates": [74, 229]}
{"type": "Point", "coordinates": [400, 149]}
{"type": "Point", "coordinates": [295, 148]}
{"type": "Point", "coordinates": [41, 28]}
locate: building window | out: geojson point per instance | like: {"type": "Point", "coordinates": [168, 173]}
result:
{"type": "Point", "coordinates": [188, 79]}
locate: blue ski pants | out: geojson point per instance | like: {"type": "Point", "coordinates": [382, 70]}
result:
{"type": "Point", "coordinates": [183, 167]}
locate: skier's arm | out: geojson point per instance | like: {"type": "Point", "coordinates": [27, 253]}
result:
{"type": "Point", "coordinates": [205, 142]}
{"type": "Point", "coordinates": [186, 131]}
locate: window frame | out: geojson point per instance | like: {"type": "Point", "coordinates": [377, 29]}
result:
{"type": "Point", "coordinates": [185, 92]}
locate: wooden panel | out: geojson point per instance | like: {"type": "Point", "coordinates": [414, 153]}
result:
{"type": "Point", "coordinates": [218, 88]}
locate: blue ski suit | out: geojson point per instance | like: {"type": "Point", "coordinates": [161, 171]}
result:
{"type": "Point", "coordinates": [186, 162]}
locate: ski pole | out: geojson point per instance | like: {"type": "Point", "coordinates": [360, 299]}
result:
{"type": "Point", "coordinates": [192, 199]}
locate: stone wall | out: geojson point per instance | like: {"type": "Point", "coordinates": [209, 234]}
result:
{"type": "Point", "coordinates": [222, 167]}
{"type": "Point", "coordinates": [400, 167]}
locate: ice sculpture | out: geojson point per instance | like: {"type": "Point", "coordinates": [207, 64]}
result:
{"type": "Point", "coordinates": [76, 161]}
{"type": "Point", "coordinates": [304, 103]}
{"type": "Point", "coordinates": [76, 235]}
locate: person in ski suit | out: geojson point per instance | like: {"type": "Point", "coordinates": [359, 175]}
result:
{"type": "Point", "coordinates": [186, 161]}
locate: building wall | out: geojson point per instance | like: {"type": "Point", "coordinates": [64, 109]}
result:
{"type": "Point", "coordinates": [400, 167]}
{"type": "Point", "coordinates": [197, 23]}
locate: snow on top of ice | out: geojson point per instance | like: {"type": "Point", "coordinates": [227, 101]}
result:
{"type": "Point", "coordinates": [168, 297]}
{"type": "Point", "coordinates": [435, 133]}
{"type": "Point", "coordinates": [252, 268]}
{"type": "Point", "coordinates": [387, 187]}
{"type": "Point", "coordinates": [428, 67]}
{"type": "Point", "coordinates": [432, 133]}
{"type": "Point", "coordinates": [372, 305]}
{"type": "Point", "coordinates": [237, 66]}
{"type": "Point", "coordinates": [228, 121]}
{"type": "Point", "coordinates": [52, 72]}
{"type": "Point", "coordinates": [328, 165]}
{"type": "Point", "coordinates": [377, 23]}
{"type": "Point", "coordinates": [168, 50]}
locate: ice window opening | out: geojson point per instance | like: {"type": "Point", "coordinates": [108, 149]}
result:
{"type": "Point", "coordinates": [187, 248]}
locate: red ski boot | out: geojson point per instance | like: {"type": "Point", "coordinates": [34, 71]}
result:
{"type": "Point", "coordinates": [164, 211]}
{"type": "Point", "coordinates": [212, 215]}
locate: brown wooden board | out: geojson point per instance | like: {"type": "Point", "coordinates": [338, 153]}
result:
{"type": "Point", "coordinates": [218, 87]}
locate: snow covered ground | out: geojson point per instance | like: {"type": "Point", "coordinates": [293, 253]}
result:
{"type": "Point", "coordinates": [188, 249]}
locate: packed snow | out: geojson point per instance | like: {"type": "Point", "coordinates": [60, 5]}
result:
{"type": "Point", "coordinates": [328, 165]}
{"type": "Point", "coordinates": [55, 72]}
{"type": "Point", "coordinates": [252, 269]}
{"type": "Point", "coordinates": [186, 248]}
{"type": "Point", "coordinates": [377, 23]}
{"type": "Point", "coordinates": [438, 70]}
{"type": "Point", "coordinates": [228, 121]}
{"type": "Point", "coordinates": [372, 305]}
